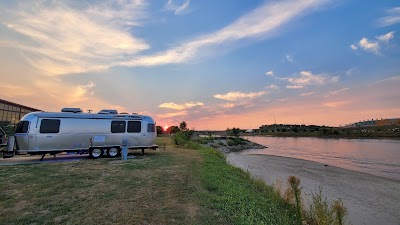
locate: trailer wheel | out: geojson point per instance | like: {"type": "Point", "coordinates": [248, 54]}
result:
{"type": "Point", "coordinates": [112, 152]}
{"type": "Point", "coordinates": [95, 153]}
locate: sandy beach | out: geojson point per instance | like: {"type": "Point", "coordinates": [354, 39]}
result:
{"type": "Point", "coordinates": [370, 199]}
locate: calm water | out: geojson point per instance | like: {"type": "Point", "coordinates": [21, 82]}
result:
{"type": "Point", "coordinates": [380, 157]}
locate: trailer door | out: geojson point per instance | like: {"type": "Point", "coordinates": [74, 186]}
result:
{"type": "Point", "coordinates": [22, 135]}
{"type": "Point", "coordinates": [48, 137]}
{"type": "Point", "coordinates": [134, 129]}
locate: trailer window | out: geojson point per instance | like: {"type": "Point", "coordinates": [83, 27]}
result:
{"type": "Point", "coordinates": [151, 127]}
{"type": "Point", "coordinates": [118, 126]}
{"type": "Point", "coordinates": [48, 126]}
{"type": "Point", "coordinates": [134, 126]}
{"type": "Point", "coordinates": [22, 127]}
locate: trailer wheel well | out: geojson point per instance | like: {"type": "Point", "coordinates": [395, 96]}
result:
{"type": "Point", "coordinates": [95, 154]}
{"type": "Point", "coordinates": [113, 154]}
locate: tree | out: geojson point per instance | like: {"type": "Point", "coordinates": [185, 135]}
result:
{"type": "Point", "coordinates": [160, 130]}
{"type": "Point", "coordinates": [183, 126]}
{"type": "Point", "coordinates": [233, 132]}
{"type": "Point", "coordinates": [236, 132]}
{"type": "Point", "coordinates": [173, 130]}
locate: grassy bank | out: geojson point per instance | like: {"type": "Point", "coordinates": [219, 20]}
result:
{"type": "Point", "coordinates": [171, 186]}
{"type": "Point", "coordinates": [248, 202]}
{"type": "Point", "coordinates": [239, 197]}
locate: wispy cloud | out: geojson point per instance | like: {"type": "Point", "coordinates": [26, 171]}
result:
{"type": "Point", "coordinates": [392, 17]}
{"type": "Point", "coordinates": [257, 23]}
{"type": "Point", "coordinates": [294, 86]}
{"type": "Point", "coordinates": [73, 37]}
{"type": "Point", "coordinates": [367, 45]}
{"type": "Point", "coordinates": [307, 94]}
{"type": "Point", "coordinates": [228, 105]}
{"type": "Point", "coordinates": [171, 105]}
{"type": "Point", "coordinates": [272, 86]}
{"type": "Point", "coordinates": [121, 12]}
{"type": "Point", "coordinates": [338, 91]}
{"type": "Point", "coordinates": [308, 78]}
{"type": "Point", "coordinates": [269, 73]}
{"type": "Point", "coordinates": [234, 96]}
{"type": "Point", "coordinates": [388, 80]}
{"type": "Point", "coordinates": [373, 46]}
{"type": "Point", "coordinates": [171, 115]}
{"type": "Point", "coordinates": [61, 38]}
{"type": "Point", "coordinates": [178, 9]}
{"type": "Point", "coordinates": [335, 104]}
{"type": "Point", "coordinates": [351, 71]}
{"type": "Point", "coordinates": [284, 99]}
{"type": "Point", "coordinates": [11, 91]}
{"type": "Point", "coordinates": [386, 37]}
{"type": "Point", "coordinates": [86, 88]}
{"type": "Point", "coordinates": [289, 58]}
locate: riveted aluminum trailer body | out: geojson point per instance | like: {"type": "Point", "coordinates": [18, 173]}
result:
{"type": "Point", "coordinates": [46, 132]}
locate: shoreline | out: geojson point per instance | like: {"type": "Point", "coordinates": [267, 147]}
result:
{"type": "Point", "coordinates": [370, 199]}
{"type": "Point", "coordinates": [296, 135]}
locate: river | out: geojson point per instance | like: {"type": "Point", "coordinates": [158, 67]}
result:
{"type": "Point", "coordinates": [379, 157]}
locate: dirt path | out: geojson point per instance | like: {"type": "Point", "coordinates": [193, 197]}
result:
{"type": "Point", "coordinates": [27, 159]}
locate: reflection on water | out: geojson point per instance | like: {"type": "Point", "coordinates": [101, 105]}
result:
{"type": "Point", "coordinates": [375, 156]}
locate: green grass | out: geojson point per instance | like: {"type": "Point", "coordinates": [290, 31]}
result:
{"type": "Point", "coordinates": [171, 186]}
{"type": "Point", "coordinates": [158, 188]}
{"type": "Point", "coordinates": [240, 197]}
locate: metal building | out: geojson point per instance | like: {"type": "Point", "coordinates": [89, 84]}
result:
{"type": "Point", "coordinates": [11, 113]}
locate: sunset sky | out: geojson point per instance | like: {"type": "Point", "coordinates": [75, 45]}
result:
{"type": "Point", "coordinates": [213, 64]}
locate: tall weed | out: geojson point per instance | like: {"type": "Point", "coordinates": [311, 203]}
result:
{"type": "Point", "coordinates": [321, 210]}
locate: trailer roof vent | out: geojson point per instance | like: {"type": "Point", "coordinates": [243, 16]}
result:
{"type": "Point", "coordinates": [108, 111]}
{"type": "Point", "coordinates": [71, 110]}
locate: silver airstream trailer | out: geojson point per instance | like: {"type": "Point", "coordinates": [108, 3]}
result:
{"type": "Point", "coordinates": [70, 130]}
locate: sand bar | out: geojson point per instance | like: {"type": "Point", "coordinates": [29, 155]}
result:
{"type": "Point", "coordinates": [370, 199]}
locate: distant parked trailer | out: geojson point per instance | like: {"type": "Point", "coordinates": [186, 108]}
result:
{"type": "Point", "coordinates": [70, 130]}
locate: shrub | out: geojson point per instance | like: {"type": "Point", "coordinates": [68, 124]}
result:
{"type": "Point", "coordinates": [294, 188]}
{"type": "Point", "coordinates": [230, 142]}
{"type": "Point", "coordinates": [340, 212]}
{"type": "Point", "coordinates": [192, 145]}
{"type": "Point", "coordinates": [181, 138]}
{"type": "Point", "coordinates": [233, 141]}
{"type": "Point", "coordinates": [320, 212]}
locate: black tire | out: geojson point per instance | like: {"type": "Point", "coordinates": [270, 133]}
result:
{"type": "Point", "coordinates": [95, 153]}
{"type": "Point", "coordinates": [113, 152]}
